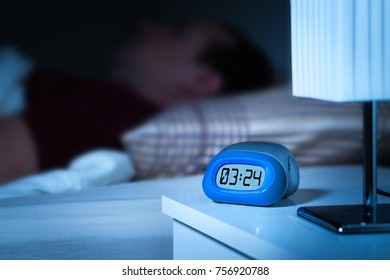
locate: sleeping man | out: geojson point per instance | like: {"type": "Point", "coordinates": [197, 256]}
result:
{"type": "Point", "coordinates": [163, 66]}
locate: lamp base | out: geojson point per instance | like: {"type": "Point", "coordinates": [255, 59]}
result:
{"type": "Point", "coordinates": [348, 218]}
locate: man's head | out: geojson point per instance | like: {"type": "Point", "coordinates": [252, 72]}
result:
{"type": "Point", "coordinates": [170, 65]}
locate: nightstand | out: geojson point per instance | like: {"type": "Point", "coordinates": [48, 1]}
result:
{"type": "Point", "coordinates": [203, 229]}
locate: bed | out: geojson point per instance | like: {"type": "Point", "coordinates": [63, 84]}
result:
{"type": "Point", "coordinates": [170, 153]}
{"type": "Point", "coordinates": [122, 221]}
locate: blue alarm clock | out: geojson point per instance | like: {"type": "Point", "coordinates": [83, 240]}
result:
{"type": "Point", "coordinates": [252, 173]}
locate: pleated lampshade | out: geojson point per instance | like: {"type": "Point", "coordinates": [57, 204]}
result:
{"type": "Point", "coordinates": [341, 49]}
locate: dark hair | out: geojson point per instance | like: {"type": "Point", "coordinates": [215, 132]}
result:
{"type": "Point", "coordinates": [242, 65]}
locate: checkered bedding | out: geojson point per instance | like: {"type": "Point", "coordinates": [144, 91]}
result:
{"type": "Point", "coordinates": [184, 139]}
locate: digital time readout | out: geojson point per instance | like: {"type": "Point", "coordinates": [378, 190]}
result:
{"type": "Point", "coordinates": [240, 176]}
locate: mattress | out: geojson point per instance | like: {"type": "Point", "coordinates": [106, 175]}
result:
{"type": "Point", "coordinates": [116, 222]}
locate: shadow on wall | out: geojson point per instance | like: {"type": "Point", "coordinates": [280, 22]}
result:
{"type": "Point", "coordinates": [79, 36]}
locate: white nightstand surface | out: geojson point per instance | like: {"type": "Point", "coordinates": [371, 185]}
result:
{"type": "Point", "coordinates": [277, 232]}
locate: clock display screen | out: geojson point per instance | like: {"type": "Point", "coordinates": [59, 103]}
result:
{"type": "Point", "coordinates": [240, 176]}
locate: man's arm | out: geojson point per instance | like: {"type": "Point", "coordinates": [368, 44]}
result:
{"type": "Point", "coordinates": [18, 155]}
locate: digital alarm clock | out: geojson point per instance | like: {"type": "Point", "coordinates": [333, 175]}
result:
{"type": "Point", "coordinates": [252, 173]}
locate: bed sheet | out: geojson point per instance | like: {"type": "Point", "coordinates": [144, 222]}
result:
{"type": "Point", "coordinates": [117, 222]}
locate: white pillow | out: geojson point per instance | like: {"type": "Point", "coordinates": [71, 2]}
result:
{"type": "Point", "coordinates": [184, 139]}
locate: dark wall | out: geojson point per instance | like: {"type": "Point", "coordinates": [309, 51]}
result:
{"type": "Point", "coordinates": [79, 36]}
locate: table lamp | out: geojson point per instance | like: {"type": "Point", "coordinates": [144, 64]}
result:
{"type": "Point", "coordinates": [341, 52]}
